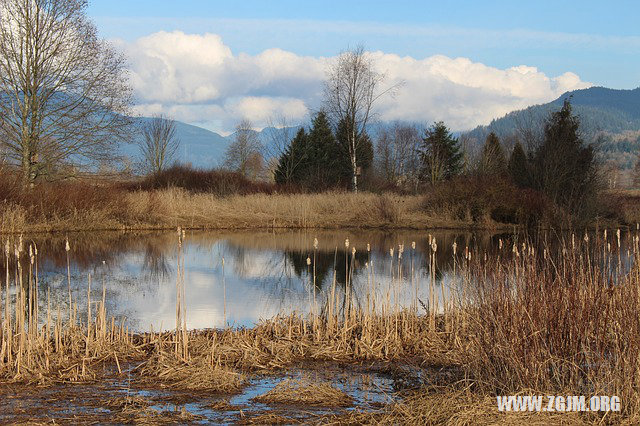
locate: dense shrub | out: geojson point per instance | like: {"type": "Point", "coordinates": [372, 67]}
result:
{"type": "Point", "coordinates": [218, 182]}
{"type": "Point", "coordinates": [61, 200]}
{"type": "Point", "coordinates": [483, 199]}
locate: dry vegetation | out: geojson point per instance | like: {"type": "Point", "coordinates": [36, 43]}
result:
{"type": "Point", "coordinates": [528, 319]}
{"type": "Point", "coordinates": [213, 199]}
{"type": "Point", "coordinates": [305, 392]}
{"type": "Point", "coordinates": [208, 199]}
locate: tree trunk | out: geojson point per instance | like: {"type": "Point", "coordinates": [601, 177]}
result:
{"type": "Point", "coordinates": [354, 161]}
{"type": "Point", "coordinates": [354, 182]}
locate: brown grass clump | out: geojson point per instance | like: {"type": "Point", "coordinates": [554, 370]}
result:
{"type": "Point", "coordinates": [305, 392]}
{"type": "Point", "coordinates": [224, 405]}
{"type": "Point", "coordinates": [197, 374]}
{"type": "Point", "coordinates": [127, 404]}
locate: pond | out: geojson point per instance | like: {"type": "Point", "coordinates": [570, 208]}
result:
{"type": "Point", "coordinates": [238, 278]}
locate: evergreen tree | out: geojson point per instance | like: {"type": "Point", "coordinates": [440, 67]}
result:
{"type": "Point", "coordinates": [564, 167]}
{"type": "Point", "coordinates": [440, 154]}
{"type": "Point", "coordinates": [493, 160]}
{"type": "Point", "coordinates": [293, 164]}
{"type": "Point", "coordinates": [519, 168]}
{"type": "Point", "coordinates": [323, 153]}
{"type": "Point", "coordinates": [364, 154]}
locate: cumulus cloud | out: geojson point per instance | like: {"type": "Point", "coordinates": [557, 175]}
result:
{"type": "Point", "coordinates": [198, 79]}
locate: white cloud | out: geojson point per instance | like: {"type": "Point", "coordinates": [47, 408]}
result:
{"type": "Point", "coordinates": [198, 79]}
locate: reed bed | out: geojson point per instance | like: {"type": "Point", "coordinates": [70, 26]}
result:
{"type": "Point", "coordinates": [49, 344]}
{"type": "Point", "coordinates": [527, 317]}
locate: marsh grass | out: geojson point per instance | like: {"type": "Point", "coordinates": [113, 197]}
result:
{"type": "Point", "coordinates": [527, 318]}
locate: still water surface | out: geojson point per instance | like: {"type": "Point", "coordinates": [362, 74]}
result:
{"type": "Point", "coordinates": [263, 273]}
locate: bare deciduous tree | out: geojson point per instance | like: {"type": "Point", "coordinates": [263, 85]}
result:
{"type": "Point", "coordinates": [398, 153]}
{"type": "Point", "coordinates": [64, 93]}
{"type": "Point", "coordinates": [159, 143]}
{"type": "Point", "coordinates": [244, 155]}
{"type": "Point", "coordinates": [351, 89]}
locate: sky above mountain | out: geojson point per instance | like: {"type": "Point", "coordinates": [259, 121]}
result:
{"type": "Point", "coordinates": [212, 63]}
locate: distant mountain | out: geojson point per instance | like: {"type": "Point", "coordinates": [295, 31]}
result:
{"type": "Point", "coordinates": [609, 116]}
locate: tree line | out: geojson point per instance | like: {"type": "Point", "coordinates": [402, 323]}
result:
{"type": "Point", "coordinates": [560, 165]}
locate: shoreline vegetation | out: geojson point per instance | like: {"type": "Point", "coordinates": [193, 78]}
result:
{"type": "Point", "coordinates": [527, 319]}
{"type": "Point", "coordinates": [222, 200]}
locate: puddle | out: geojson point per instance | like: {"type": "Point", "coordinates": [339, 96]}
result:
{"type": "Point", "coordinates": [91, 402]}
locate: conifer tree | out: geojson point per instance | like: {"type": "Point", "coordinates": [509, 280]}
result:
{"type": "Point", "coordinates": [323, 153]}
{"type": "Point", "coordinates": [519, 168]}
{"type": "Point", "coordinates": [564, 166]}
{"type": "Point", "coordinates": [293, 164]}
{"type": "Point", "coordinates": [440, 154]}
{"type": "Point", "coordinates": [493, 160]}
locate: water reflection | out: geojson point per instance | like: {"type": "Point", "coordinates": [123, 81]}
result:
{"type": "Point", "coordinates": [265, 273]}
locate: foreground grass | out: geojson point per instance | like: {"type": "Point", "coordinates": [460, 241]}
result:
{"type": "Point", "coordinates": [527, 320]}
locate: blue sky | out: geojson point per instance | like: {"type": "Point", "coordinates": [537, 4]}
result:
{"type": "Point", "coordinates": [596, 41]}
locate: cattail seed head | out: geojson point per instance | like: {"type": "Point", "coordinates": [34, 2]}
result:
{"type": "Point", "coordinates": [391, 251]}
{"type": "Point", "coordinates": [455, 246]}
{"type": "Point", "coordinates": [368, 247]}
{"type": "Point", "coordinates": [500, 244]}
{"type": "Point", "coordinates": [7, 248]}
{"type": "Point", "coordinates": [308, 261]}
{"type": "Point", "coordinates": [67, 247]}
{"type": "Point", "coordinates": [413, 245]}
{"type": "Point", "coordinates": [315, 243]}
{"type": "Point", "coordinates": [346, 243]}
{"type": "Point", "coordinates": [353, 251]}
